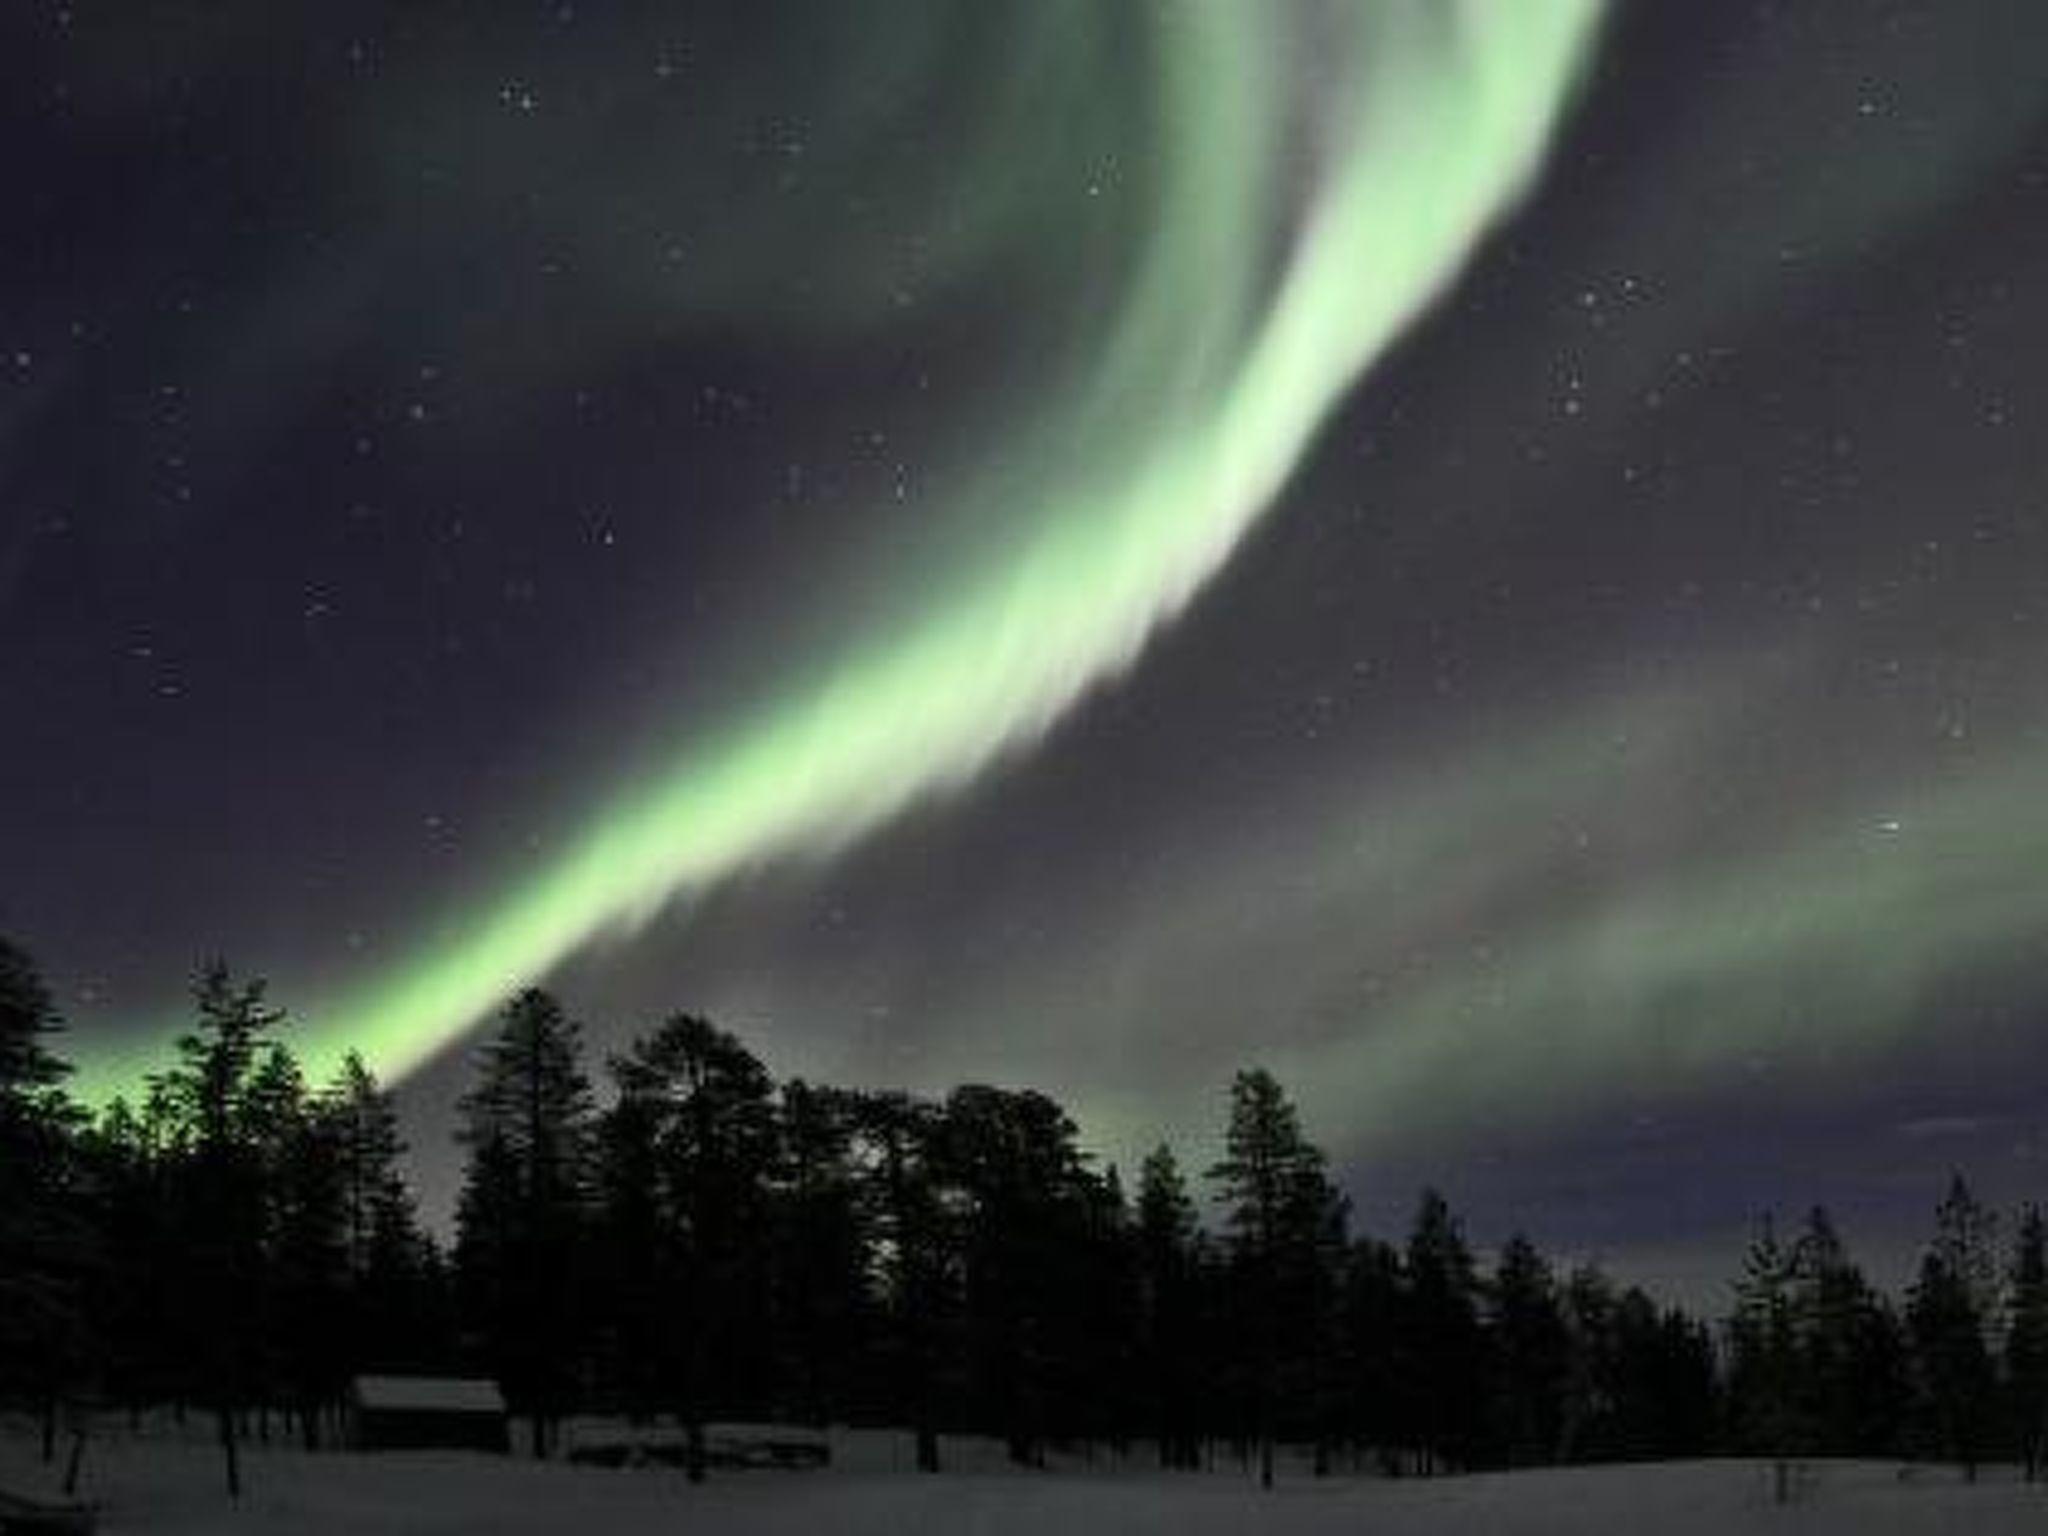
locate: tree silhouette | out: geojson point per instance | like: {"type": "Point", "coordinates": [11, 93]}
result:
{"type": "Point", "coordinates": [898, 1147]}
{"type": "Point", "coordinates": [1444, 1378]}
{"type": "Point", "coordinates": [699, 1109]}
{"type": "Point", "coordinates": [1278, 1210]}
{"type": "Point", "coordinates": [1947, 1319]}
{"type": "Point", "coordinates": [1764, 1357]}
{"type": "Point", "coordinates": [1024, 1192]}
{"type": "Point", "coordinates": [821, 1255]}
{"type": "Point", "coordinates": [210, 1095]}
{"type": "Point", "coordinates": [1169, 1311]}
{"type": "Point", "coordinates": [388, 1263]}
{"type": "Point", "coordinates": [524, 1208]}
{"type": "Point", "coordinates": [44, 1241]}
{"type": "Point", "coordinates": [1532, 1352]}
{"type": "Point", "coordinates": [2026, 1341]}
{"type": "Point", "coordinates": [1849, 1358]}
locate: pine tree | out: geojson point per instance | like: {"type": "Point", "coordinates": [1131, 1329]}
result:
{"type": "Point", "coordinates": [1847, 1354]}
{"type": "Point", "coordinates": [1946, 1317]}
{"type": "Point", "coordinates": [1531, 1348]}
{"type": "Point", "coordinates": [898, 1140]}
{"type": "Point", "coordinates": [43, 1239]}
{"type": "Point", "coordinates": [703, 1108]}
{"type": "Point", "coordinates": [1764, 1358]}
{"type": "Point", "coordinates": [1370, 1354]}
{"type": "Point", "coordinates": [136, 1181]}
{"type": "Point", "coordinates": [1443, 1380]}
{"type": "Point", "coordinates": [211, 1097]}
{"type": "Point", "coordinates": [1281, 1213]}
{"type": "Point", "coordinates": [1663, 1381]}
{"type": "Point", "coordinates": [1169, 1298]}
{"type": "Point", "coordinates": [1589, 1400]}
{"type": "Point", "coordinates": [1966, 1242]}
{"type": "Point", "coordinates": [29, 1069]}
{"type": "Point", "coordinates": [2026, 1341]}
{"type": "Point", "coordinates": [1094, 1388]}
{"type": "Point", "coordinates": [527, 1124]}
{"type": "Point", "coordinates": [305, 1294]}
{"type": "Point", "coordinates": [821, 1257]}
{"type": "Point", "coordinates": [632, 1257]}
{"type": "Point", "coordinates": [385, 1255]}
{"type": "Point", "coordinates": [1013, 1157]}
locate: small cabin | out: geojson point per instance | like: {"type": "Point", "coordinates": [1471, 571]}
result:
{"type": "Point", "coordinates": [394, 1413]}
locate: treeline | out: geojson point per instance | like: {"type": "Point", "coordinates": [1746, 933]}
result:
{"type": "Point", "coordinates": [700, 1241]}
{"type": "Point", "coordinates": [1821, 1363]}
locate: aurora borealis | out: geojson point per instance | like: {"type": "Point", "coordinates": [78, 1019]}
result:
{"type": "Point", "coordinates": [1488, 557]}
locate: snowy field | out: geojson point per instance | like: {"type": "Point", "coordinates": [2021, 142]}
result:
{"type": "Point", "coordinates": [155, 1485]}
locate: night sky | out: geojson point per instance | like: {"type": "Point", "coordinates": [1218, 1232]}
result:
{"type": "Point", "coordinates": [1490, 557]}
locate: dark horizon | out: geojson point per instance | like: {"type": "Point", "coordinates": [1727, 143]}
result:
{"type": "Point", "coordinates": [713, 1247]}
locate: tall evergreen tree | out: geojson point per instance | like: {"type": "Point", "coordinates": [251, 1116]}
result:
{"type": "Point", "coordinates": [30, 1071]}
{"type": "Point", "coordinates": [527, 1125]}
{"type": "Point", "coordinates": [1966, 1241]}
{"type": "Point", "coordinates": [43, 1239]}
{"type": "Point", "coordinates": [1663, 1381]}
{"type": "Point", "coordinates": [1016, 1163]}
{"type": "Point", "coordinates": [212, 1092]}
{"type": "Point", "coordinates": [1370, 1354]}
{"type": "Point", "coordinates": [2026, 1341]}
{"type": "Point", "coordinates": [305, 1291]}
{"type": "Point", "coordinates": [1532, 1354]}
{"type": "Point", "coordinates": [898, 1142]}
{"type": "Point", "coordinates": [1849, 1378]}
{"type": "Point", "coordinates": [1279, 1208]}
{"type": "Point", "coordinates": [707, 1107]}
{"type": "Point", "coordinates": [632, 1258]}
{"type": "Point", "coordinates": [1588, 1404]}
{"type": "Point", "coordinates": [1169, 1280]}
{"type": "Point", "coordinates": [388, 1311]}
{"type": "Point", "coordinates": [1763, 1340]}
{"type": "Point", "coordinates": [1946, 1317]}
{"type": "Point", "coordinates": [821, 1251]}
{"type": "Point", "coordinates": [1444, 1378]}
{"type": "Point", "coordinates": [137, 1175]}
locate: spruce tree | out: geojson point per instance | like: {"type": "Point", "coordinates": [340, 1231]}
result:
{"type": "Point", "coordinates": [387, 1311]}
{"type": "Point", "coordinates": [1848, 1358]}
{"type": "Point", "coordinates": [527, 1125]}
{"type": "Point", "coordinates": [1166, 1237]}
{"type": "Point", "coordinates": [43, 1237]}
{"type": "Point", "coordinates": [1531, 1350]}
{"type": "Point", "coordinates": [821, 1252]}
{"type": "Point", "coordinates": [1281, 1214]}
{"type": "Point", "coordinates": [1946, 1319]}
{"type": "Point", "coordinates": [215, 1106]}
{"type": "Point", "coordinates": [1590, 1398]}
{"type": "Point", "coordinates": [706, 1108]}
{"type": "Point", "coordinates": [632, 1258]}
{"type": "Point", "coordinates": [1369, 1352]}
{"type": "Point", "coordinates": [2026, 1341]}
{"type": "Point", "coordinates": [1444, 1379]}
{"type": "Point", "coordinates": [898, 1142]}
{"type": "Point", "coordinates": [30, 1071]}
{"type": "Point", "coordinates": [1013, 1158]}
{"type": "Point", "coordinates": [306, 1292]}
{"type": "Point", "coordinates": [1764, 1358]}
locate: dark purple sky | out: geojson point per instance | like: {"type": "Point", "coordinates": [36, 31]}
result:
{"type": "Point", "coordinates": [1606, 785]}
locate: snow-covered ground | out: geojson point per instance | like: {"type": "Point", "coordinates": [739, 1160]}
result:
{"type": "Point", "coordinates": [156, 1485]}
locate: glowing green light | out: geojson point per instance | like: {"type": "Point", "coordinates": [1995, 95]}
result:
{"type": "Point", "coordinates": [1214, 368]}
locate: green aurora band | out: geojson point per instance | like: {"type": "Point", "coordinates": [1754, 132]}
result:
{"type": "Point", "coordinates": [1382, 139]}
